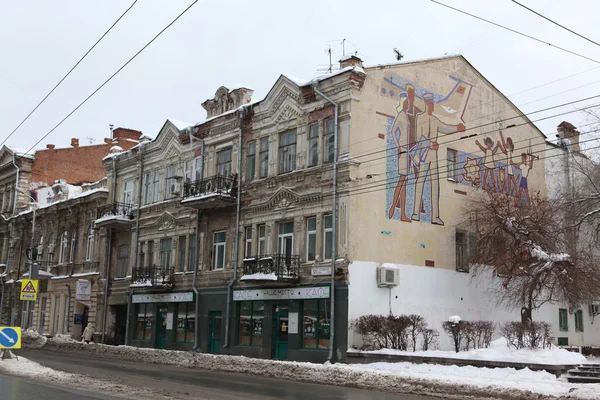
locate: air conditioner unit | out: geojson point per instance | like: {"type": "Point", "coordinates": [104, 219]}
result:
{"type": "Point", "coordinates": [175, 188]}
{"type": "Point", "coordinates": [388, 276]}
{"type": "Point", "coordinates": [594, 309]}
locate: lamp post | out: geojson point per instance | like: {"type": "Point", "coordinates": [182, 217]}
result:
{"type": "Point", "coordinates": [31, 254]}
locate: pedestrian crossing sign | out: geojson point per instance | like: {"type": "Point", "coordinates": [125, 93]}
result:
{"type": "Point", "coordinates": [29, 289]}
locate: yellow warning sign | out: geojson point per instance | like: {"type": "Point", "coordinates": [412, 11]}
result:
{"type": "Point", "coordinates": [29, 289]}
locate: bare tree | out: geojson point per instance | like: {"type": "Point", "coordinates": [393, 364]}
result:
{"type": "Point", "coordinates": [530, 249]}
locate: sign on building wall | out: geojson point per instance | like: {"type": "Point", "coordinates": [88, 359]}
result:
{"type": "Point", "coordinates": [320, 271]}
{"type": "Point", "coordinates": [181, 297]}
{"type": "Point", "coordinates": [293, 321]}
{"type": "Point", "coordinates": [83, 291]}
{"type": "Point", "coordinates": [319, 292]}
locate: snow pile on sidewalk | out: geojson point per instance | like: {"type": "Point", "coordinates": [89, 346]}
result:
{"type": "Point", "coordinates": [27, 368]}
{"type": "Point", "coordinates": [423, 379]}
{"type": "Point", "coordinates": [32, 339]}
{"type": "Point", "coordinates": [498, 351]}
{"type": "Point", "coordinates": [60, 338]}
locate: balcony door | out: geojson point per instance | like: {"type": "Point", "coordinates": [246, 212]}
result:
{"type": "Point", "coordinates": [285, 246]}
{"type": "Point", "coordinates": [128, 192]}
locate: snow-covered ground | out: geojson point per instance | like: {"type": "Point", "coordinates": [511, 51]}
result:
{"type": "Point", "coordinates": [506, 383]}
{"type": "Point", "coordinates": [498, 351]}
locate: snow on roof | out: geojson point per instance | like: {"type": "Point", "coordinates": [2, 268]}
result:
{"type": "Point", "coordinates": [227, 112]}
{"type": "Point", "coordinates": [414, 61]}
{"type": "Point", "coordinates": [21, 152]}
{"type": "Point", "coordinates": [179, 124]}
{"type": "Point", "coordinates": [259, 277]}
{"type": "Point", "coordinates": [71, 197]}
{"type": "Point", "coordinates": [236, 87]}
{"type": "Point", "coordinates": [304, 82]}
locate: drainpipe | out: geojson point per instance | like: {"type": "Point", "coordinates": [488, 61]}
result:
{"type": "Point", "coordinates": [107, 274]}
{"type": "Point", "coordinates": [13, 312]}
{"type": "Point", "coordinates": [16, 183]}
{"type": "Point", "coordinates": [334, 220]}
{"type": "Point", "coordinates": [237, 233]}
{"type": "Point", "coordinates": [194, 288]}
{"type": "Point", "coordinates": [129, 294]}
{"type": "Point", "coordinates": [2, 298]}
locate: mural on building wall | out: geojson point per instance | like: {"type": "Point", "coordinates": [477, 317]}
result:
{"type": "Point", "coordinates": [413, 163]}
{"type": "Point", "coordinates": [412, 147]}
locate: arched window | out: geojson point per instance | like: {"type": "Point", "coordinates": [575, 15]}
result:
{"type": "Point", "coordinates": [64, 240]}
{"type": "Point", "coordinates": [73, 245]}
{"type": "Point", "coordinates": [51, 248]}
{"type": "Point", "coordinates": [90, 244]}
{"type": "Point", "coordinates": [40, 249]}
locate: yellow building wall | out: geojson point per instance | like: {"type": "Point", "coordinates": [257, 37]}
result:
{"type": "Point", "coordinates": [405, 113]}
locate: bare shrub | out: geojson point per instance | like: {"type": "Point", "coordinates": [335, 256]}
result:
{"type": "Point", "coordinates": [429, 339]}
{"type": "Point", "coordinates": [531, 335]}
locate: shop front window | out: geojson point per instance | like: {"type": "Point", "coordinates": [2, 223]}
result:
{"type": "Point", "coordinates": [250, 323]}
{"type": "Point", "coordinates": [144, 321]}
{"type": "Point", "coordinates": [316, 320]}
{"type": "Point", "coordinates": [186, 322]}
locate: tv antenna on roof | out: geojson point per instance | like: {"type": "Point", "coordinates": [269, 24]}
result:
{"type": "Point", "coordinates": [399, 55]}
{"type": "Point", "coordinates": [329, 51]}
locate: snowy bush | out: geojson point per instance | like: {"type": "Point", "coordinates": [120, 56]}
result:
{"type": "Point", "coordinates": [532, 335]}
{"type": "Point", "coordinates": [467, 335]}
{"type": "Point", "coordinates": [400, 332]}
{"type": "Point", "coordinates": [429, 339]}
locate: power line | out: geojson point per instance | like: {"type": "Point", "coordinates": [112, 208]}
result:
{"type": "Point", "coordinates": [112, 76]}
{"type": "Point", "coordinates": [517, 32]}
{"type": "Point", "coordinates": [556, 23]}
{"type": "Point", "coordinates": [68, 73]}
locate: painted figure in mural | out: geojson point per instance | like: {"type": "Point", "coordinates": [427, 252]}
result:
{"type": "Point", "coordinates": [404, 124]}
{"type": "Point", "coordinates": [488, 162]}
{"type": "Point", "coordinates": [507, 147]}
{"type": "Point", "coordinates": [525, 166]}
{"type": "Point", "coordinates": [428, 127]}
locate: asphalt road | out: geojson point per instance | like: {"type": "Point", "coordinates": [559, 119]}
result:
{"type": "Point", "coordinates": [183, 383]}
{"type": "Point", "coordinates": [15, 388]}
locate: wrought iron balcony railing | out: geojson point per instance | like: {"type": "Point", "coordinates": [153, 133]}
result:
{"type": "Point", "coordinates": [124, 210]}
{"type": "Point", "coordinates": [225, 185]}
{"type": "Point", "coordinates": [152, 276]}
{"type": "Point", "coordinates": [275, 267]}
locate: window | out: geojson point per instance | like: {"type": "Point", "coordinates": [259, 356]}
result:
{"type": "Point", "coordinates": [287, 152]}
{"type": "Point", "coordinates": [144, 320]}
{"type": "Point", "coordinates": [264, 157]}
{"type": "Point", "coordinates": [65, 328]}
{"type": "Point", "coordinates": [328, 237]}
{"type": "Point", "coordinates": [286, 238]}
{"type": "Point", "coordinates": [141, 259]}
{"type": "Point", "coordinates": [150, 253]}
{"type": "Point", "coordinates": [262, 231]}
{"type": "Point", "coordinates": [198, 168]}
{"type": "Point", "coordinates": [563, 320]}
{"type": "Point", "coordinates": [56, 314]}
{"type": "Point", "coordinates": [452, 164]}
{"type": "Point", "coordinates": [170, 179]}
{"type": "Point", "coordinates": [128, 191]}
{"type": "Point", "coordinates": [248, 247]}
{"type": "Point", "coordinates": [250, 323]}
{"type": "Point", "coordinates": [188, 172]}
{"type": "Point", "coordinates": [182, 251]}
{"type": "Point", "coordinates": [40, 248]}
{"type": "Point", "coordinates": [316, 317]}
{"type": "Point", "coordinates": [166, 246]}
{"type": "Point", "coordinates": [328, 141]}
{"type": "Point", "coordinates": [461, 252]}
{"type": "Point", "coordinates": [313, 145]}
{"type": "Point", "coordinates": [155, 185]}
{"type": "Point", "coordinates": [219, 250]}
{"type": "Point", "coordinates": [193, 260]}
{"type": "Point", "coordinates": [186, 322]}
{"type": "Point", "coordinates": [89, 253]}
{"type": "Point", "coordinates": [224, 162]}
{"type": "Point", "coordinates": [50, 249]}
{"type": "Point", "coordinates": [122, 260]}
{"type": "Point", "coordinates": [148, 188]}
{"type": "Point", "coordinates": [73, 245]}
{"type": "Point", "coordinates": [311, 239]}
{"type": "Point", "coordinates": [251, 161]}
{"type": "Point", "coordinates": [579, 321]}
{"type": "Point", "coordinates": [64, 240]}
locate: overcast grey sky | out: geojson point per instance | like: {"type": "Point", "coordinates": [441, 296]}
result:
{"type": "Point", "coordinates": [251, 43]}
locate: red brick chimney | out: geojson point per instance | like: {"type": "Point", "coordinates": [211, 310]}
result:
{"type": "Point", "coordinates": [350, 60]}
{"type": "Point", "coordinates": [74, 142]}
{"type": "Point", "coordinates": [50, 146]}
{"type": "Point", "coordinates": [125, 133]}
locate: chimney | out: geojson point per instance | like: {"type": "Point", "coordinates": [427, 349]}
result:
{"type": "Point", "coordinates": [108, 140]}
{"type": "Point", "coordinates": [50, 146]}
{"type": "Point", "coordinates": [350, 61]}
{"type": "Point", "coordinates": [125, 133]}
{"type": "Point", "coordinates": [569, 132]}
{"type": "Point", "coordinates": [74, 142]}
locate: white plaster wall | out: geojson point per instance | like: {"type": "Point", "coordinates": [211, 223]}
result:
{"type": "Point", "coordinates": [437, 294]}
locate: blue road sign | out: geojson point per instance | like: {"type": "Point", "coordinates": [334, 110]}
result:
{"type": "Point", "coordinates": [9, 338]}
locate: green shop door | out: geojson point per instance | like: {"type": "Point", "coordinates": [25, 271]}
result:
{"type": "Point", "coordinates": [214, 333]}
{"type": "Point", "coordinates": [280, 334]}
{"type": "Point", "coordinates": [161, 328]}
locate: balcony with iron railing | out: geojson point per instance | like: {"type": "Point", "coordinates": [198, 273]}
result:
{"type": "Point", "coordinates": [213, 192]}
{"type": "Point", "coordinates": [152, 277]}
{"type": "Point", "coordinates": [115, 215]}
{"type": "Point", "coordinates": [274, 267]}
